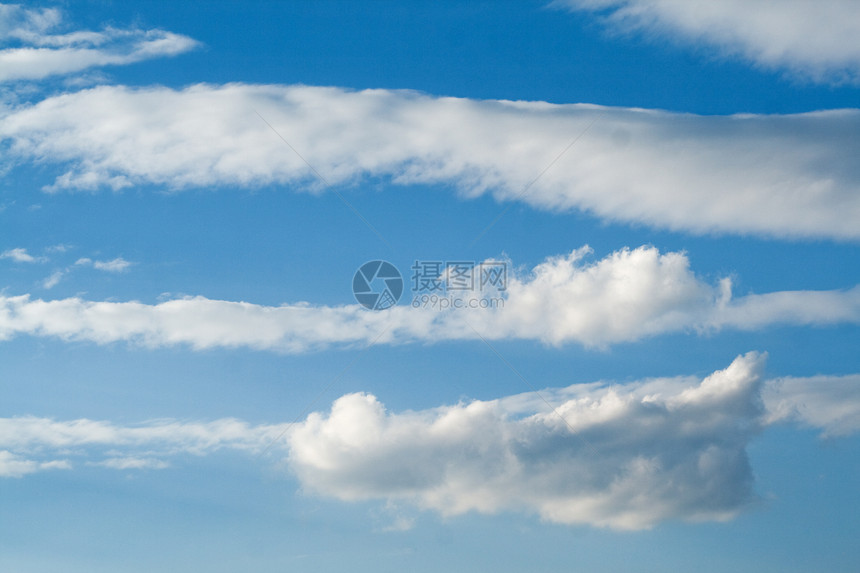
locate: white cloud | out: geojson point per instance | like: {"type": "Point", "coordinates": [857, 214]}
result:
{"type": "Point", "coordinates": [116, 265]}
{"type": "Point", "coordinates": [626, 296]}
{"type": "Point", "coordinates": [623, 457]}
{"type": "Point", "coordinates": [30, 433]}
{"type": "Point", "coordinates": [20, 255]}
{"type": "Point", "coordinates": [12, 465]}
{"type": "Point", "coordinates": [132, 463]}
{"type": "Point", "coordinates": [626, 457]}
{"type": "Point", "coordinates": [198, 322]}
{"type": "Point", "coordinates": [831, 403]}
{"type": "Point", "coordinates": [21, 23]}
{"type": "Point", "coordinates": [817, 40]}
{"type": "Point", "coordinates": [53, 280]}
{"type": "Point", "coordinates": [27, 443]}
{"type": "Point", "coordinates": [775, 175]}
{"type": "Point", "coordinates": [40, 53]}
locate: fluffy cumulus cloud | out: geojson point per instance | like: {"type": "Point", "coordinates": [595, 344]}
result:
{"type": "Point", "coordinates": [621, 456]}
{"type": "Point", "coordinates": [816, 40]}
{"type": "Point", "coordinates": [32, 47]}
{"type": "Point", "coordinates": [626, 296]}
{"type": "Point", "coordinates": [777, 175]}
{"type": "Point", "coordinates": [625, 457]}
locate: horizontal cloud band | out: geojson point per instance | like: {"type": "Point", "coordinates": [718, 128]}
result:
{"type": "Point", "coordinates": [622, 456]}
{"type": "Point", "coordinates": [627, 296]}
{"type": "Point", "coordinates": [776, 175]}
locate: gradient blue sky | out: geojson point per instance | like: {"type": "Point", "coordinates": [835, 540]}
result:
{"type": "Point", "coordinates": [147, 420]}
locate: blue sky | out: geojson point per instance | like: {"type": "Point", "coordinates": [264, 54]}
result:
{"type": "Point", "coordinates": [669, 381]}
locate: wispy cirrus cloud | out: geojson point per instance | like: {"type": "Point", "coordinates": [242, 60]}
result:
{"type": "Point", "coordinates": [52, 280]}
{"type": "Point", "coordinates": [626, 296]}
{"type": "Point", "coordinates": [602, 454]}
{"type": "Point", "coordinates": [29, 444]}
{"type": "Point", "coordinates": [117, 265]}
{"type": "Point", "coordinates": [772, 175]}
{"type": "Point", "coordinates": [819, 41]}
{"type": "Point", "coordinates": [32, 48]}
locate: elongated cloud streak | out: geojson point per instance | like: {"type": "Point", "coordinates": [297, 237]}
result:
{"type": "Point", "coordinates": [628, 295]}
{"type": "Point", "coordinates": [816, 40]}
{"type": "Point", "coordinates": [26, 437]}
{"type": "Point", "coordinates": [39, 53]}
{"type": "Point", "coordinates": [785, 176]}
{"type": "Point", "coordinates": [831, 403]}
